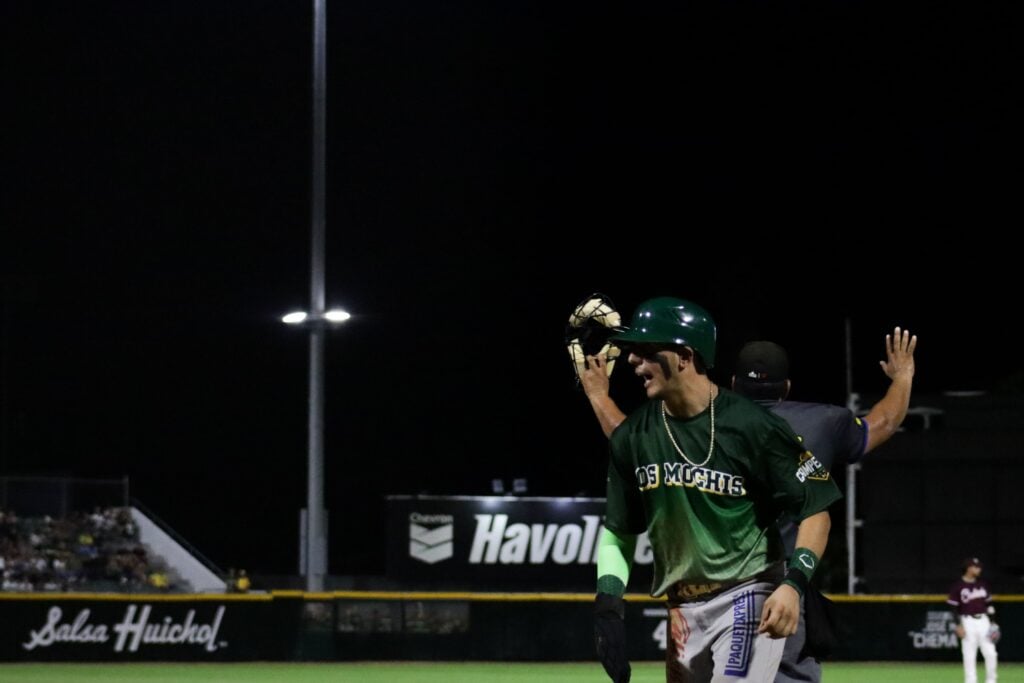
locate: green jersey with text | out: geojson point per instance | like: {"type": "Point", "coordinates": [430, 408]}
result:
{"type": "Point", "coordinates": [711, 519]}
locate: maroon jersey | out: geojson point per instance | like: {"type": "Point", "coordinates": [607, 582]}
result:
{"type": "Point", "coordinates": [969, 598]}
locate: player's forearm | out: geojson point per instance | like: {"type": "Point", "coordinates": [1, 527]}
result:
{"type": "Point", "coordinates": [811, 538]}
{"type": "Point", "coordinates": [886, 416]}
{"type": "Point", "coordinates": [614, 560]}
{"type": "Point", "coordinates": [596, 386]}
{"type": "Point", "coordinates": [813, 532]}
{"type": "Point", "coordinates": [607, 412]}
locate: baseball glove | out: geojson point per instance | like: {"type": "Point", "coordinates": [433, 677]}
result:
{"type": "Point", "coordinates": [610, 637]}
{"type": "Point", "coordinates": [591, 324]}
{"type": "Point", "coordinates": [993, 632]}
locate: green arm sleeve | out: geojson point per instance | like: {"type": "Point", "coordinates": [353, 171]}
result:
{"type": "Point", "coordinates": [614, 559]}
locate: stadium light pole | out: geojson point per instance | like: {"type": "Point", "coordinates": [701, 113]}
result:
{"type": "Point", "coordinates": [318, 319]}
{"type": "Point", "coordinates": [314, 535]}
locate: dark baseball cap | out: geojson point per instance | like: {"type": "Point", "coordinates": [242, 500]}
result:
{"type": "Point", "coordinates": [972, 562]}
{"type": "Point", "coordinates": [762, 362]}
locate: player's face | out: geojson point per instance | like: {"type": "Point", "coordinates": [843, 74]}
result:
{"type": "Point", "coordinates": [656, 365]}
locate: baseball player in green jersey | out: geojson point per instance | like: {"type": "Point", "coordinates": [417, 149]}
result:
{"type": "Point", "coordinates": [706, 473]}
{"type": "Point", "coordinates": [833, 434]}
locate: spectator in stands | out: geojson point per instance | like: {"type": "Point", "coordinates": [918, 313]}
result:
{"type": "Point", "coordinates": [159, 581]}
{"type": "Point", "coordinates": [8, 525]}
{"type": "Point", "coordinates": [86, 546]}
{"type": "Point", "coordinates": [70, 552]}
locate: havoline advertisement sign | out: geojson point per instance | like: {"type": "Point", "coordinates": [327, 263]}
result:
{"type": "Point", "coordinates": [489, 543]}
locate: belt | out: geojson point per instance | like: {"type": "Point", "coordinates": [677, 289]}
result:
{"type": "Point", "coordinates": [974, 616]}
{"type": "Point", "coordinates": [684, 591]}
{"type": "Point", "coordinates": [680, 591]}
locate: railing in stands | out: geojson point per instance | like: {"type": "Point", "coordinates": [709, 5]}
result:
{"type": "Point", "coordinates": [169, 530]}
{"type": "Point", "coordinates": [60, 496]}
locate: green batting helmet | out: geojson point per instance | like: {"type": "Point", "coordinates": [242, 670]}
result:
{"type": "Point", "coordinates": [667, 320]}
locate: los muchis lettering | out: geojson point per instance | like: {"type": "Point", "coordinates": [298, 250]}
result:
{"type": "Point", "coordinates": [683, 474]}
{"type": "Point", "coordinates": [495, 541]}
{"type": "Point", "coordinates": [130, 633]}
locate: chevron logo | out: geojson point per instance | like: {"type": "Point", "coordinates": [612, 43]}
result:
{"type": "Point", "coordinates": [431, 544]}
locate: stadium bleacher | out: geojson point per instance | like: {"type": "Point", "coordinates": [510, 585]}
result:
{"type": "Point", "coordinates": [98, 551]}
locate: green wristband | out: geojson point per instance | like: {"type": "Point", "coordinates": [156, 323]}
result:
{"type": "Point", "coordinates": [804, 561]}
{"type": "Point", "coordinates": [795, 579]}
{"type": "Point", "coordinates": [800, 568]}
{"type": "Point", "coordinates": [612, 585]}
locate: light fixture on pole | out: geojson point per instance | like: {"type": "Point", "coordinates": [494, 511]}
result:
{"type": "Point", "coordinates": [335, 315]}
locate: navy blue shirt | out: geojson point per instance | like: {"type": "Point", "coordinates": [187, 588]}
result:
{"type": "Point", "coordinates": [832, 433]}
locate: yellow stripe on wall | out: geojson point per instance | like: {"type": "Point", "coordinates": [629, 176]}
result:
{"type": "Point", "coordinates": [423, 595]}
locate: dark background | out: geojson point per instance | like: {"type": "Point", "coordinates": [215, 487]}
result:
{"type": "Point", "coordinates": [789, 167]}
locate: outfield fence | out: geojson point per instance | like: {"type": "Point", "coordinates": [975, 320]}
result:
{"type": "Point", "coordinates": [377, 625]}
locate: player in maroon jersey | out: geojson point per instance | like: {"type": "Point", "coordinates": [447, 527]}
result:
{"type": "Point", "coordinates": [971, 602]}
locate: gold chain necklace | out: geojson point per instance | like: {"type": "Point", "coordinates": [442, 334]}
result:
{"type": "Point", "coordinates": [711, 446]}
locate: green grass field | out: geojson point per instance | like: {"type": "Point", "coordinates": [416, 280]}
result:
{"type": "Point", "coordinates": [445, 672]}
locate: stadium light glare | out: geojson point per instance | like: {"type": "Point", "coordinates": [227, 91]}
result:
{"type": "Point", "coordinates": [335, 315]}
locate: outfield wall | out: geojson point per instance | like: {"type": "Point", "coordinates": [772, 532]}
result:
{"type": "Point", "coordinates": [296, 626]}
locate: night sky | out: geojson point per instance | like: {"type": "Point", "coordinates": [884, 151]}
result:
{"type": "Point", "coordinates": [788, 166]}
